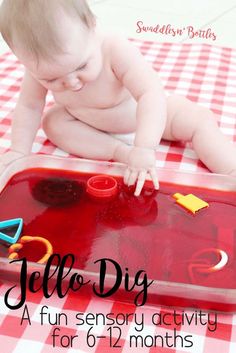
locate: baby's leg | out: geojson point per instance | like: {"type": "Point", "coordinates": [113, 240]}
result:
{"type": "Point", "coordinates": [188, 121]}
{"type": "Point", "coordinates": [78, 138]}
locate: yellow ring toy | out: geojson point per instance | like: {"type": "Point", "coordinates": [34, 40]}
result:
{"type": "Point", "coordinates": [14, 248]}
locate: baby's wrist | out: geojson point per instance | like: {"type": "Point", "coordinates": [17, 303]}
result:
{"type": "Point", "coordinates": [121, 152]}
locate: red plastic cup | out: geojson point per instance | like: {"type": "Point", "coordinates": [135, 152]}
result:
{"type": "Point", "coordinates": [102, 186]}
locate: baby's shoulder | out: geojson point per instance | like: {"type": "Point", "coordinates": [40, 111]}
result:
{"type": "Point", "coordinates": [119, 50]}
{"type": "Point", "coordinates": [114, 41]}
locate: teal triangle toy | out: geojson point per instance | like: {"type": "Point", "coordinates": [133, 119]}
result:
{"type": "Point", "coordinates": [7, 226]}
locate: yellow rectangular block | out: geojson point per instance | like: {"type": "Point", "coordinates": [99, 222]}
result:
{"type": "Point", "coordinates": [191, 202]}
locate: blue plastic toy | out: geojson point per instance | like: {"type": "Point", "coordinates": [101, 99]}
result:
{"type": "Point", "coordinates": [11, 223]}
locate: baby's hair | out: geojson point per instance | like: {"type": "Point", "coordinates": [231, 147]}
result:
{"type": "Point", "coordinates": [32, 23]}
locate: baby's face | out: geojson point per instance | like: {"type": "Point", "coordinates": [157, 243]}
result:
{"type": "Point", "coordinates": [80, 63]}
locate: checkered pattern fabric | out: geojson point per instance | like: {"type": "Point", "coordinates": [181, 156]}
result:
{"type": "Point", "coordinates": [205, 74]}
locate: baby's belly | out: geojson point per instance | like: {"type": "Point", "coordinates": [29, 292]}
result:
{"type": "Point", "coordinates": [120, 118]}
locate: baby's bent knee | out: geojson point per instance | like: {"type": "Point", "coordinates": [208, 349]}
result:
{"type": "Point", "coordinates": [185, 118]}
{"type": "Point", "coordinates": [53, 120]}
{"type": "Point", "coordinates": [48, 122]}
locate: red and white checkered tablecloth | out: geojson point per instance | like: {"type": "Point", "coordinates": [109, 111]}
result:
{"type": "Point", "coordinates": [203, 73]}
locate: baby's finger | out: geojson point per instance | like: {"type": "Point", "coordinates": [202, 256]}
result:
{"type": "Point", "coordinates": [140, 182]}
{"type": "Point", "coordinates": [154, 177]}
{"type": "Point", "coordinates": [126, 176]}
{"type": "Point", "coordinates": [132, 177]}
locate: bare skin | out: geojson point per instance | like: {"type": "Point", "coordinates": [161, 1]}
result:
{"type": "Point", "coordinates": [103, 85]}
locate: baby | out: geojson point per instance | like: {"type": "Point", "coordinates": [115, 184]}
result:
{"type": "Point", "coordinates": [102, 86]}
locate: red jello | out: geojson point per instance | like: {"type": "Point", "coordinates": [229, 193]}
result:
{"type": "Point", "coordinates": [149, 232]}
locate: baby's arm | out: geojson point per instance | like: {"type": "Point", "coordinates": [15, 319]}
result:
{"type": "Point", "coordinates": [26, 119]}
{"type": "Point", "coordinates": [143, 83]}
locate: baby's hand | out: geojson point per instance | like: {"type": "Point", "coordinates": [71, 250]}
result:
{"type": "Point", "coordinates": [141, 161]}
{"type": "Point", "coordinates": [8, 158]}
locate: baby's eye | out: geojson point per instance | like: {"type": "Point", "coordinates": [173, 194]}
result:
{"type": "Point", "coordinates": [82, 67]}
{"type": "Point", "coordinates": [51, 81]}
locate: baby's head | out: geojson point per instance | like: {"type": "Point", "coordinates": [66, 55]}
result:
{"type": "Point", "coordinates": [47, 34]}
{"type": "Point", "coordinates": [33, 25]}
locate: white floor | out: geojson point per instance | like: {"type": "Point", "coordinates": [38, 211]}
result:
{"type": "Point", "coordinates": [216, 16]}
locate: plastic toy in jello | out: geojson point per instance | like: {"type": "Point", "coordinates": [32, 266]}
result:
{"type": "Point", "coordinates": [201, 263]}
{"type": "Point", "coordinates": [14, 248]}
{"type": "Point", "coordinates": [102, 186]}
{"type": "Point", "coordinates": [57, 192]}
{"type": "Point", "coordinates": [191, 202]}
{"type": "Point", "coordinates": [8, 226]}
